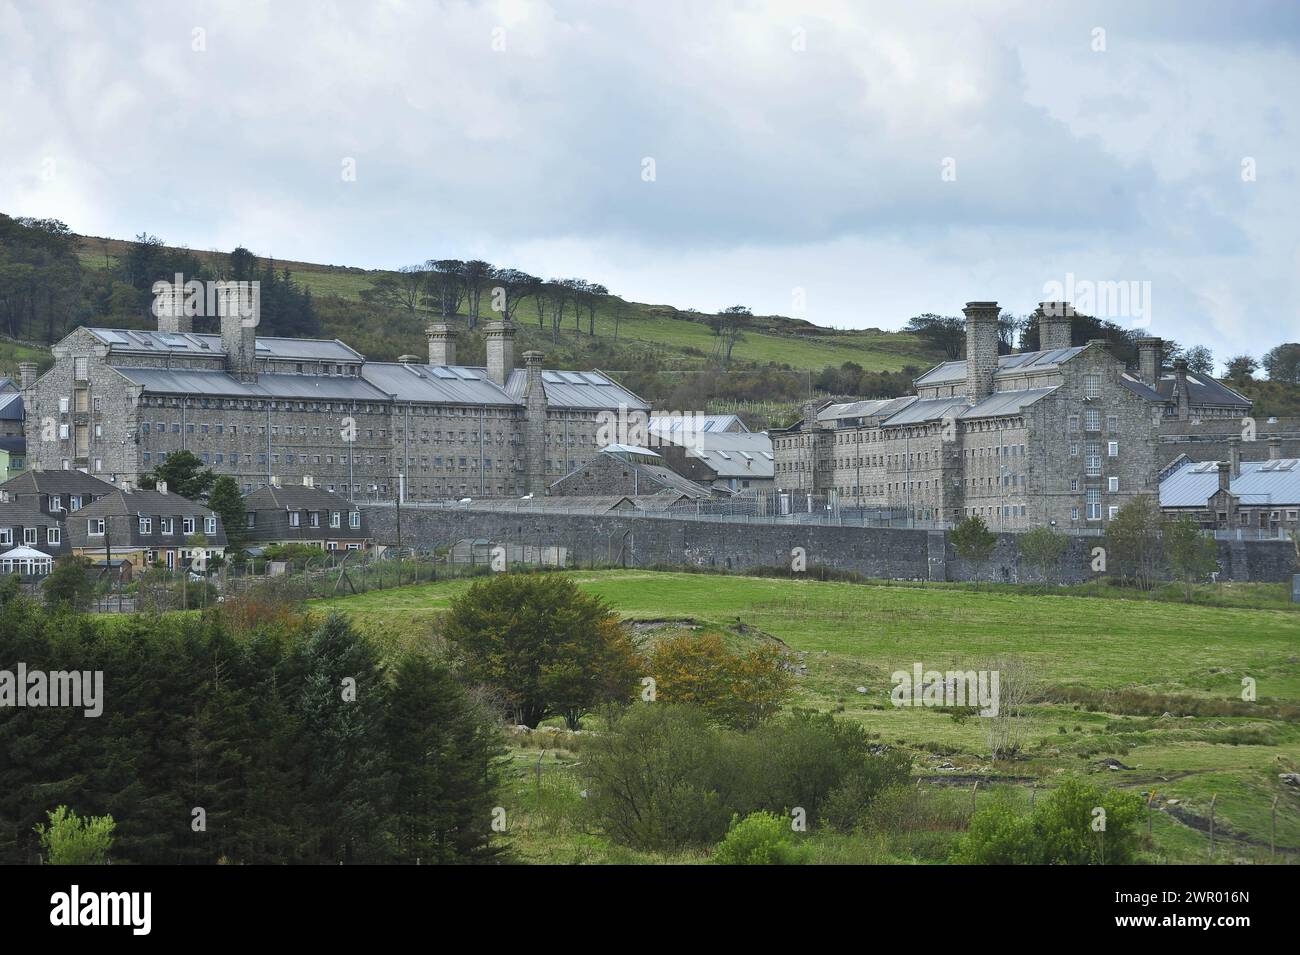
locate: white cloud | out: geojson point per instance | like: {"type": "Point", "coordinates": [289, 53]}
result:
{"type": "Point", "coordinates": [812, 163]}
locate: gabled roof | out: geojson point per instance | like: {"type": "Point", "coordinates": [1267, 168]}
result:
{"type": "Point", "coordinates": [928, 409]}
{"type": "Point", "coordinates": [1201, 390]}
{"type": "Point", "coordinates": [1275, 482]}
{"type": "Point", "coordinates": [11, 406]}
{"type": "Point", "coordinates": [870, 408]}
{"type": "Point", "coordinates": [190, 381]}
{"type": "Point", "coordinates": [57, 482]}
{"type": "Point", "coordinates": [706, 424]}
{"type": "Point", "coordinates": [147, 342]}
{"type": "Point", "coordinates": [730, 454]}
{"type": "Point", "coordinates": [444, 384]}
{"type": "Point", "coordinates": [583, 390]}
{"type": "Point", "coordinates": [20, 515]}
{"type": "Point", "coordinates": [954, 371]}
{"type": "Point", "coordinates": [121, 501]}
{"type": "Point", "coordinates": [1007, 402]}
{"type": "Point", "coordinates": [295, 497]}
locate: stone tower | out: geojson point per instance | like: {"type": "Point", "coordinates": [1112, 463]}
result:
{"type": "Point", "coordinates": [981, 349]}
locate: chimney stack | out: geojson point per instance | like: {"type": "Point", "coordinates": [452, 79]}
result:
{"type": "Point", "coordinates": [1180, 389]}
{"type": "Point", "coordinates": [1054, 325]}
{"type": "Point", "coordinates": [1274, 449]}
{"type": "Point", "coordinates": [1234, 456]}
{"type": "Point", "coordinates": [1150, 351]}
{"type": "Point", "coordinates": [535, 424]}
{"type": "Point", "coordinates": [237, 310]}
{"type": "Point", "coordinates": [169, 307]}
{"type": "Point", "coordinates": [26, 375]}
{"type": "Point", "coordinates": [500, 338]}
{"type": "Point", "coordinates": [981, 349]}
{"type": "Point", "coordinates": [1225, 475]}
{"type": "Point", "coordinates": [442, 344]}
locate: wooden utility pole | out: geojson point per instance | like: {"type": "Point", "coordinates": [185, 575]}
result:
{"type": "Point", "coordinates": [1272, 831]}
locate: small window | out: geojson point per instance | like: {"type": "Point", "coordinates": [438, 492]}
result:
{"type": "Point", "coordinates": [53, 535]}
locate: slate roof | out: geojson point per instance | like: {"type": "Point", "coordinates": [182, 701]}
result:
{"type": "Point", "coordinates": [733, 454]}
{"type": "Point", "coordinates": [11, 406]}
{"type": "Point", "coordinates": [454, 384]}
{"type": "Point", "coordinates": [708, 424]}
{"type": "Point", "coordinates": [1260, 482]}
{"type": "Point", "coordinates": [953, 371]}
{"type": "Point", "coordinates": [189, 381]}
{"type": "Point", "coordinates": [577, 389]}
{"type": "Point", "coordinates": [296, 497]}
{"type": "Point", "coordinates": [149, 342]}
{"type": "Point", "coordinates": [1201, 390]}
{"type": "Point", "coordinates": [56, 482]}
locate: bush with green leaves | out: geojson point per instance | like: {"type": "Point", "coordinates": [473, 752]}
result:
{"type": "Point", "coordinates": [761, 838]}
{"type": "Point", "coordinates": [665, 777]}
{"type": "Point", "coordinates": [70, 839]}
{"type": "Point", "coordinates": [1079, 823]}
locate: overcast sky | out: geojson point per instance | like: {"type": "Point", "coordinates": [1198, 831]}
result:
{"type": "Point", "coordinates": [851, 163]}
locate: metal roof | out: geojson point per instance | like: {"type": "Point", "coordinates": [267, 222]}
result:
{"type": "Point", "coordinates": [438, 384]}
{"type": "Point", "coordinates": [193, 343]}
{"type": "Point", "coordinates": [928, 409]}
{"type": "Point", "coordinates": [11, 406]}
{"type": "Point", "coordinates": [1007, 402]}
{"type": "Point", "coordinates": [734, 454]}
{"type": "Point", "coordinates": [869, 408]}
{"type": "Point", "coordinates": [578, 389]}
{"type": "Point", "coordinates": [950, 371]}
{"type": "Point", "coordinates": [189, 381]}
{"type": "Point", "coordinates": [702, 423]}
{"type": "Point", "coordinates": [1260, 482]}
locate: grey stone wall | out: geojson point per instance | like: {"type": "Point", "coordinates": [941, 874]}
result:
{"type": "Point", "coordinates": [876, 552]}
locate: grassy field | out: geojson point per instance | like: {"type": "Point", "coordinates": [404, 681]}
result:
{"type": "Point", "coordinates": [1148, 655]}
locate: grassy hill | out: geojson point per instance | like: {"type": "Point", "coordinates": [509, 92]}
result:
{"type": "Point", "coordinates": [1117, 683]}
{"type": "Point", "coordinates": [678, 338]}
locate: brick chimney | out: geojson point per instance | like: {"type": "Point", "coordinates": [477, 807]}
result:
{"type": "Point", "coordinates": [1274, 448]}
{"type": "Point", "coordinates": [1180, 389]}
{"type": "Point", "coordinates": [1225, 475]}
{"type": "Point", "coordinates": [442, 344]}
{"type": "Point", "coordinates": [1054, 325]}
{"type": "Point", "coordinates": [535, 424]}
{"type": "Point", "coordinates": [1150, 351]}
{"type": "Point", "coordinates": [500, 337]}
{"type": "Point", "coordinates": [238, 332]}
{"type": "Point", "coordinates": [981, 349]}
{"type": "Point", "coordinates": [26, 375]}
{"type": "Point", "coordinates": [1234, 456]}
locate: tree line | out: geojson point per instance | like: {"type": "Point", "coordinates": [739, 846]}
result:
{"type": "Point", "coordinates": [250, 735]}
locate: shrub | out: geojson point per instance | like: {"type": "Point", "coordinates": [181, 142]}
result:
{"type": "Point", "coordinates": [1063, 829]}
{"type": "Point", "coordinates": [737, 690]}
{"type": "Point", "coordinates": [761, 838]}
{"type": "Point", "coordinates": [650, 779]}
{"type": "Point", "coordinates": [70, 839]}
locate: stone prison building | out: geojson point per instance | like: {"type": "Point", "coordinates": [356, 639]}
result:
{"type": "Point", "coordinates": [1064, 435]}
{"type": "Point", "coordinates": [117, 402]}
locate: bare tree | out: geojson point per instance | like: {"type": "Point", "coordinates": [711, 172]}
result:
{"type": "Point", "coordinates": [1018, 685]}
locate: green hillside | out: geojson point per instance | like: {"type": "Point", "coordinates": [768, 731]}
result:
{"type": "Point", "coordinates": [679, 339]}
